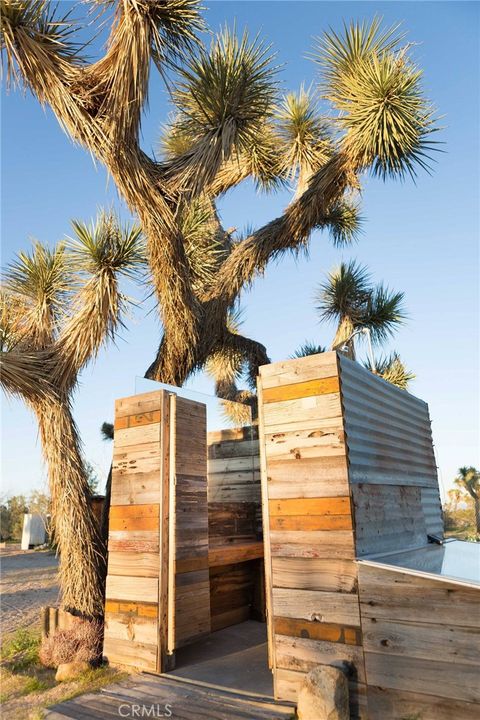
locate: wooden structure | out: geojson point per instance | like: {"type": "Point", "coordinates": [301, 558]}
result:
{"type": "Point", "coordinates": [157, 594]}
{"type": "Point", "coordinates": [348, 470]}
{"type": "Point", "coordinates": [184, 554]}
{"type": "Point", "coordinates": [345, 472]}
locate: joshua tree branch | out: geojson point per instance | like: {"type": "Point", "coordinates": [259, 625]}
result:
{"type": "Point", "coordinates": [288, 232]}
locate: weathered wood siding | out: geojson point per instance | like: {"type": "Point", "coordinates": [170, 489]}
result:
{"type": "Point", "coordinates": [392, 470]}
{"type": "Point", "coordinates": [234, 500]}
{"type": "Point", "coordinates": [421, 640]}
{"type": "Point", "coordinates": [312, 595]}
{"type": "Point", "coordinates": [190, 518]}
{"type": "Point", "coordinates": [132, 622]}
{"type": "Point", "coordinates": [157, 592]}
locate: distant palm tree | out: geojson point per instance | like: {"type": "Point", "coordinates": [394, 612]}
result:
{"type": "Point", "coordinates": [468, 480]}
{"type": "Point", "coordinates": [63, 305]}
{"type": "Point", "coordinates": [349, 298]}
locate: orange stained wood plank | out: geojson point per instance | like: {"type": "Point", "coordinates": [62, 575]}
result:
{"type": "Point", "coordinates": [309, 388]}
{"type": "Point", "coordinates": [310, 522]}
{"type": "Point", "coordinates": [129, 421]}
{"type": "Point", "coordinates": [147, 610]}
{"type": "Point", "coordinates": [318, 631]}
{"type": "Point", "coordinates": [134, 523]}
{"type": "Point", "coordinates": [310, 506]}
{"type": "Point", "coordinates": [134, 511]}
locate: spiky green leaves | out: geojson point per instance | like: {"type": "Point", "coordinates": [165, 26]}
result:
{"type": "Point", "coordinates": [40, 281]}
{"type": "Point", "coordinates": [392, 369]}
{"type": "Point", "coordinates": [305, 141]}
{"type": "Point", "coordinates": [36, 22]}
{"type": "Point", "coordinates": [308, 348]}
{"type": "Point", "coordinates": [107, 246]}
{"type": "Point", "coordinates": [224, 95]}
{"type": "Point", "coordinates": [349, 297]}
{"type": "Point", "coordinates": [206, 244]}
{"type": "Point", "coordinates": [370, 79]}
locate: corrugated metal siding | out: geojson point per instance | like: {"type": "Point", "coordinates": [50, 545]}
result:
{"type": "Point", "coordinates": [391, 462]}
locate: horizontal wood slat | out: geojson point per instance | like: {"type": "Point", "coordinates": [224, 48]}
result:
{"type": "Point", "coordinates": [303, 389]}
{"type": "Point", "coordinates": [127, 421]}
{"type": "Point", "coordinates": [345, 634]}
{"type": "Point", "coordinates": [309, 506]}
{"type": "Point", "coordinates": [311, 522]}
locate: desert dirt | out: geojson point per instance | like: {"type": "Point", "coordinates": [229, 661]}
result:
{"type": "Point", "coordinates": [28, 582]}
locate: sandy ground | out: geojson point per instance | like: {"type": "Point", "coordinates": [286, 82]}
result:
{"type": "Point", "coordinates": [28, 581]}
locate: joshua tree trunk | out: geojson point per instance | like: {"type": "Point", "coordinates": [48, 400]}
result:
{"type": "Point", "coordinates": [477, 513]}
{"type": "Point", "coordinates": [77, 535]}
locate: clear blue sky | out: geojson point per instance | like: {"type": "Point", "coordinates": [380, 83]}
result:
{"type": "Point", "coordinates": [420, 238]}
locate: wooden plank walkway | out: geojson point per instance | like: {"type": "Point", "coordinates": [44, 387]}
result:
{"type": "Point", "coordinates": [184, 699]}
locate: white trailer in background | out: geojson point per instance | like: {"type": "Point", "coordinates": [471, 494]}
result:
{"type": "Point", "coordinates": [34, 530]}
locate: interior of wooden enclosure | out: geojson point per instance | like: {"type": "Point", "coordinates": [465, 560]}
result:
{"type": "Point", "coordinates": [185, 537]}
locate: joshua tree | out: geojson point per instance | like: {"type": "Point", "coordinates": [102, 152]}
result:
{"type": "Point", "coordinates": [468, 480]}
{"type": "Point", "coordinates": [58, 308]}
{"type": "Point", "coordinates": [308, 348]}
{"type": "Point", "coordinates": [349, 298]}
{"type": "Point", "coordinates": [229, 125]}
{"type": "Point", "coordinates": [392, 369]}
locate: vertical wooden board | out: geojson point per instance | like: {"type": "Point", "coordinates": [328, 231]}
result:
{"type": "Point", "coordinates": [191, 614]}
{"type": "Point", "coordinates": [163, 579]}
{"type": "Point", "coordinates": [132, 586]}
{"type": "Point", "coordinates": [267, 558]}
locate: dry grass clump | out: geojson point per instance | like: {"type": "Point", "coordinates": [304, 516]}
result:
{"type": "Point", "coordinates": [79, 643]}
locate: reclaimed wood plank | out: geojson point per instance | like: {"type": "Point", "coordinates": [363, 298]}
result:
{"type": "Point", "coordinates": [418, 640]}
{"type": "Point", "coordinates": [305, 388]}
{"type": "Point", "coordinates": [135, 404]}
{"type": "Point", "coordinates": [314, 574]}
{"type": "Point", "coordinates": [140, 609]}
{"type": "Point", "coordinates": [292, 371]}
{"type": "Point", "coordinates": [455, 681]}
{"type": "Point", "coordinates": [397, 705]}
{"type": "Point", "coordinates": [135, 436]}
{"type": "Point", "coordinates": [301, 444]}
{"type": "Point", "coordinates": [325, 544]}
{"type": "Point", "coordinates": [128, 652]}
{"type": "Point", "coordinates": [310, 506]}
{"type": "Point", "coordinates": [329, 607]}
{"type": "Point", "coordinates": [235, 553]}
{"type": "Point", "coordinates": [145, 418]}
{"type": "Point", "coordinates": [304, 654]}
{"type": "Point", "coordinates": [311, 522]}
{"type": "Point", "coordinates": [394, 595]}
{"type": "Point", "coordinates": [321, 407]}
{"type": "Point", "coordinates": [133, 564]}
{"type": "Point", "coordinates": [133, 629]}
{"type": "Point", "coordinates": [133, 541]}
{"type": "Point", "coordinates": [126, 587]}
{"type": "Point", "coordinates": [330, 632]}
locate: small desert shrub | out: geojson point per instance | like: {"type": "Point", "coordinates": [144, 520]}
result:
{"type": "Point", "coordinates": [20, 651]}
{"type": "Point", "coordinates": [80, 642]}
